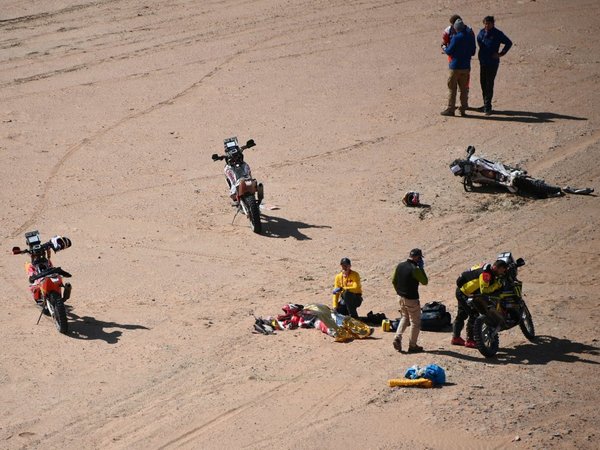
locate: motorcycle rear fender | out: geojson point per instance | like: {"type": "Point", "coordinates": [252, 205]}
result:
{"type": "Point", "coordinates": [246, 186]}
{"type": "Point", "coordinates": [51, 284]}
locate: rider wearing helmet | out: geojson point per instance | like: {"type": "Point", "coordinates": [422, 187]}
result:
{"type": "Point", "coordinates": [481, 279]}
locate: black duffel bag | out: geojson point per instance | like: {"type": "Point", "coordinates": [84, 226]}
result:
{"type": "Point", "coordinates": [434, 317]}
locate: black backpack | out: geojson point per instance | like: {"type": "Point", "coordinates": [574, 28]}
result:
{"type": "Point", "coordinates": [434, 316]}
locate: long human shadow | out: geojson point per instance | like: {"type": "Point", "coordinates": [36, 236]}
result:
{"type": "Point", "coordinates": [546, 349]}
{"type": "Point", "coordinates": [525, 116]}
{"type": "Point", "coordinates": [278, 227]}
{"type": "Point", "coordinates": [89, 328]}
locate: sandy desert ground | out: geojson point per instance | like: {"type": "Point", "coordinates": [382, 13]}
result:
{"type": "Point", "coordinates": [109, 112]}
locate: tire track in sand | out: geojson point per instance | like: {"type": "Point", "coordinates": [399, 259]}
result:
{"type": "Point", "coordinates": [192, 434]}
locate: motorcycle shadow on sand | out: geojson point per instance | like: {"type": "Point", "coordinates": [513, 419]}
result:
{"type": "Point", "coordinates": [501, 190]}
{"type": "Point", "coordinates": [546, 349]}
{"type": "Point", "coordinates": [524, 116]}
{"type": "Point", "coordinates": [278, 227]}
{"type": "Point", "coordinates": [88, 328]}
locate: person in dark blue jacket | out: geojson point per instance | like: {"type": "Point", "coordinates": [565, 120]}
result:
{"type": "Point", "coordinates": [461, 49]}
{"type": "Point", "coordinates": [489, 40]}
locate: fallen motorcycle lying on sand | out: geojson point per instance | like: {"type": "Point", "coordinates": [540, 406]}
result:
{"type": "Point", "coordinates": [478, 172]}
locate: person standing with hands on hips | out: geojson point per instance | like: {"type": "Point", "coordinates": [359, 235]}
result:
{"type": "Point", "coordinates": [407, 277]}
{"type": "Point", "coordinates": [489, 40]}
{"type": "Point", "coordinates": [347, 290]}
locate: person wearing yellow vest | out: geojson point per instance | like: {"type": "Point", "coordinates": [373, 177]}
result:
{"type": "Point", "coordinates": [483, 279]}
{"type": "Point", "coordinates": [347, 290]}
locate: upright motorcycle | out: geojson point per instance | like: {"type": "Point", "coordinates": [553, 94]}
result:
{"type": "Point", "coordinates": [49, 290]}
{"type": "Point", "coordinates": [245, 192]}
{"type": "Point", "coordinates": [477, 172]}
{"type": "Point", "coordinates": [503, 311]}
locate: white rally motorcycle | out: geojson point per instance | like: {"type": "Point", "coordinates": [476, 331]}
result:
{"type": "Point", "coordinates": [246, 193]}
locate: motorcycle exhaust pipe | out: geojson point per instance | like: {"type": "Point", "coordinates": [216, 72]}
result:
{"type": "Point", "coordinates": [66, 292]}
{"type": "Point", "coordinates": [261, 193]}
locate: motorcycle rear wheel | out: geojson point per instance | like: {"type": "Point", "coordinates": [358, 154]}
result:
{"type": "Point", "coordinates": [526, 324]}
{"type": "Point", "coordinates": [58, 312]}
{"type": "Point", "coordinates": [253, 213]}
{"type": "Point", "coordinates": [486, 337]}
{"type": "Point", "coordinates": [537, 188]}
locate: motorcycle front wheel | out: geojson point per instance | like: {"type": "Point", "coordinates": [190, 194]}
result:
{"type": "Point", "coordinates": [526, 324]}
{"type": "Point", "coordinates": [253, 213]}
{"type": "Point", "coordinates": [486, 337]}
{"type": "Point", "coordinates": [468, 184]}
{"type": "Point", "coordinates": [58, 312]}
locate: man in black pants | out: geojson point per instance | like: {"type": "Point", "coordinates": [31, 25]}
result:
{"type": "Point", "coordinates": [479, 280]}
{"type": "Point", "coordinates": [489, 40]}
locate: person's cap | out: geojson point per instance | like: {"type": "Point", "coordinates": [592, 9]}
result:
{"type": "Point", "coordinates": [415, 252]}
{"type": "Point", "coordinates": [459, 25]}
{"type": "Point", "coordinates": [345, 262]}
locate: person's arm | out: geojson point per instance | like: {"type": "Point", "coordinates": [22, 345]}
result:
{"type": "Point", "coordinates": [353, 283]}
{"type": "Point", "coordinates": [395, 279]}
{"type": "Point", "coordinates": [480, 38]}
{"type": "Point", "coordinates": [420, 275]}
{"type": "Point", "coordinates": [472, 42]}
{"type": "Point", "coordinates": [487, 284]}
{"type": "Point", "coordinates": [337, 283]}
{"type": "Point", "coordinates": [450, 48]}
{"type": "Point", "coordinates": [507, 45]}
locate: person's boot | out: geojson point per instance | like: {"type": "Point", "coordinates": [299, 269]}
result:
{"type": "Point", "coordinates": [470, 343]}
{"type": "Point", "coordinates": [415, 349]}
{"type": "Point", "coordinates": [458, 341]}
{"type": "Point", "coordinates": [448, 112]}
{"type": "Point", "coordinates": [398, 343]}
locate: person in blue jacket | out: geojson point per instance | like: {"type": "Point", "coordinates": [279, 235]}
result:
{"type": "Point", "coordinates": [461, 49]}
{"type": "Point", "coordinates": [489, 40]}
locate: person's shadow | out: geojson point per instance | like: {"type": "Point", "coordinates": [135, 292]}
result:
{"type": "Point", "coordinates": [88, 328]}
{"type": "Point", "coordinates": [524, 116]}
{"type": "Point", "coordinates": [544, 350]}
{"type": "Point", "coordinates": [278, 227]}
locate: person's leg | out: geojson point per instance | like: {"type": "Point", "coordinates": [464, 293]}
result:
{"type": "Point", "coordinates": [491, 78]}
{"type": "Point", "coordinates": [352, 301]}
{"type": "Point", "coordinates": [452, 85]}
{"type": "Point", "coordinates": [488, 75]}
{"type": "Point", "coordinates": [461, 314]}
{"type": "Point", "coordinates": [402, 325]}
{"type": "Point", "coordinates": [414, 312]}
{"type": "Point", "coordinates": [463, 83]}
{"type": "Point", "coordinates": [483, 83]}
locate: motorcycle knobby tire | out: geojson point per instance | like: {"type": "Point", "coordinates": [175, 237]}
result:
{"type": "Point", "coordinates": [59, 315]}
{"type": "Point", "coordinates": [486, 338]}
{"type": "Point", "coordinates": [253, 213]}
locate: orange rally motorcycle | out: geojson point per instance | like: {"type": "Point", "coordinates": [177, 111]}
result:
{"type": "Point", "coordinates": [46, 281]}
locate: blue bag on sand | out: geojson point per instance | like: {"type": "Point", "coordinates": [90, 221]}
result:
{"type": "Point", "coordinates": [432, 372]}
